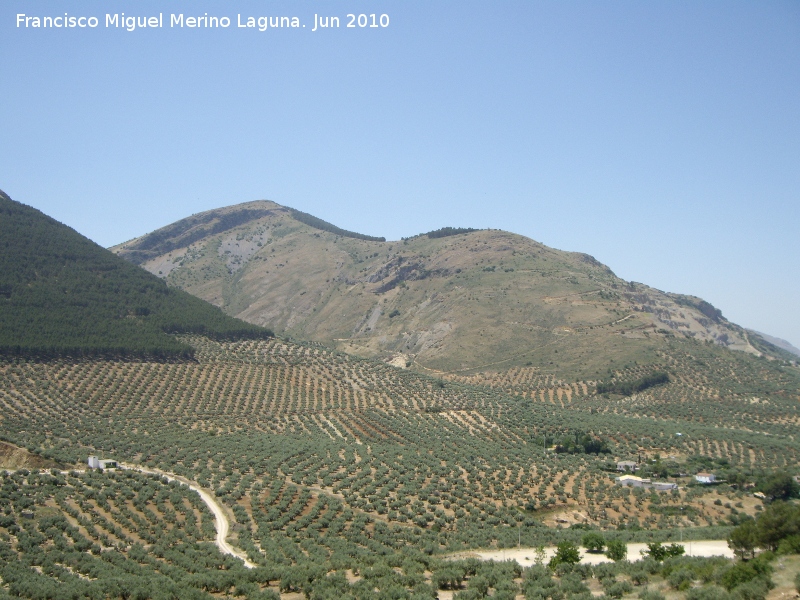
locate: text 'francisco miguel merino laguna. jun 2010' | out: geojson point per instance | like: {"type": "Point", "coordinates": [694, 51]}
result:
{"type": "Point", "coordinates": [182, 21]}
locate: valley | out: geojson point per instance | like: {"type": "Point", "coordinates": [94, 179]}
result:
{"type": "Point", "coordinates": [460, 393]}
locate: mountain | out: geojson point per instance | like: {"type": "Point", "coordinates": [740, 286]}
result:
{"type": "Point", "coordinates": [778, 343]}
{"type": "Point", "coordinates": [450, 301]}
{"type": "Point", "coordinates": [60, 293]}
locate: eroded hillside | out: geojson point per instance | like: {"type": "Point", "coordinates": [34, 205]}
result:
{"type": "Point", "coordinates": [477, 301]}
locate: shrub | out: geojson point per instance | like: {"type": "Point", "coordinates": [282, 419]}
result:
{"type": "Point", "coordinates": [789, 545]}
{"type": "Point", "coordinates": [626, 388]}
{"type": "Point", "coordinates": [675, 550]}
{"type": "Point", "coordinates": [448, 231]}
{"type": "Point", "coordinates": [744, 572]}
{"type": "Point", "coordinates": [572, 584]}
{"type": "Point", "coordinates": [757, 589]}
{"type": "Point", "coordinates": [640, 577]}
{"type": "Point", "coordinates": [710, 592]}
{"type": "Point", "coordinates": [681, 579]}
{"type": "Point", "coordinates": [618, 589]}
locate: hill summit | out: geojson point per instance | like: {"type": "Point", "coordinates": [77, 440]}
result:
{"type": "Point", "coordinates": [455, 300]}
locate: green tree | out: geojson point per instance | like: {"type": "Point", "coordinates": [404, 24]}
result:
{"type": "Point", "coordinates": [674, 550]}
{"type": "Point", "coordinates": [780, 520]}
{"type": "Point", "coordinates": [617, 550]}
{"type": "Point", "coordinates": [594, 542]}
{"type": "Point", "coordinates": [780, 486]}
{"type": "Point", "coordinates": [656, 551]}
{"type": "Point", "coordinates": [566, 553]}
{"type": "Point", "coordinates": [743, 539]}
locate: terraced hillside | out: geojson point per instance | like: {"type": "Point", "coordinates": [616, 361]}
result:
{"type": "Point", "coordinates": [349, 474]}
{"type": "Point", "coordinates": [283, 431]}
{"type": "Point", "coordinates": [724, 389]}
{"type": "Point", "coordinates": [456, 301]}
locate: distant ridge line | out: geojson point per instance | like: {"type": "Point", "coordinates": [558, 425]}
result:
{"type": "Point", "coordinates": [318, 223]}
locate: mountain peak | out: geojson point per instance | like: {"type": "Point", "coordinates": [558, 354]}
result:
{"type": "Point", "coordinates": [452, 300]}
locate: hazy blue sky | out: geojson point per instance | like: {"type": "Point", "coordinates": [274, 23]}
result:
{"type": "Point", "coordinates": [661, 137]}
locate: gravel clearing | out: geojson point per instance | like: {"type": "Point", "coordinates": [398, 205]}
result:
{"type": "Point", "coordinates": [526, 556]}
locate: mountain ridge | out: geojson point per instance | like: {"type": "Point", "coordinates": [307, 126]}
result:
{"type": "Point", "coordinates": [427, 301]}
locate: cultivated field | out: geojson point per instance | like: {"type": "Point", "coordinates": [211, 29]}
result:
{"type": "Point", "coordinates": [333, 463]}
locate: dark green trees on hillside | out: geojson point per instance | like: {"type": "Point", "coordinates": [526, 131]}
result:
{"type": "Point", "coordinates": [626, 388]}
{"type": "Point", "coordinates": [60, 293]}
{"type": "Point", "coordinates": [448, 231]}
{"type": "Point", "coordinates": [777, 528]}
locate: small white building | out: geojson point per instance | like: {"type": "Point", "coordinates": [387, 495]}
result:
{"type": "Point", "coordinates": [633, 481]}
{"type": "Point", "coordinates": [705, 478]}
{"type": "Point", "coordinates": [97, 463]}
{"type": "Point", "coordinates": [627, 465]}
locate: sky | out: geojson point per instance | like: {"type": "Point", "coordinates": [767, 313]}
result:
{"type": "Point", "coordinates": [663, 138]}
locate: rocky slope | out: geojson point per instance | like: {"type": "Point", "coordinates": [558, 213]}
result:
{"type": "Point", "coordinates": [482, 300]}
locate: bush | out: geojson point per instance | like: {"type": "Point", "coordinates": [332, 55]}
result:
{"type": "Point", "coordinates": [318, 223]}
{"type": "Point", "coordinates": [650, 566]}
{"type": "Point", "coordinates": [448, 231]}
{"type": "Point", "coordinates": [757, 589]}
{"type": "Point", "coordinates": [651, 595]}
{"type": "Point", "coordinates": [619, 589]}
{"type": "Point", "coordinates": [744, 572]}
{"type": "Point", "coordinates": [675, 550]}
{"type": "Point", "coordinates": [711, 592]}
{"type": "Point", "coordinates": [572, 585]}
{"type": "Point", "coordinates": [681, 579]}
{"type": "Point", "coordinates": [640, 577]}
{"type": "Point", "coordinates": [626, 388]}
{"type": "Point", "coordinates": [449, 577]}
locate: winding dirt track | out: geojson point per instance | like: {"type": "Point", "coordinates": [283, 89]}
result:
{"type": "Point", "coordinates": [221, 519]}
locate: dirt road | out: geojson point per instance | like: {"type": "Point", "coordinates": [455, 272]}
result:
{"type": "Point", "coordinates": [221, 519]}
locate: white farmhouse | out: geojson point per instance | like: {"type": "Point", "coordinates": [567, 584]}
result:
{"type": "Point", "coordinates": [705, 478]}
{"type": "Point", "coordinates": [97, 463]}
